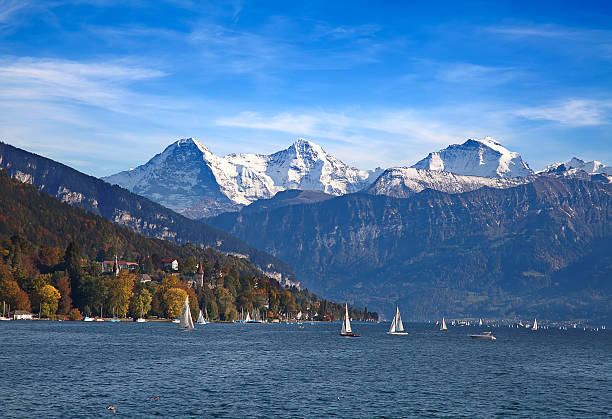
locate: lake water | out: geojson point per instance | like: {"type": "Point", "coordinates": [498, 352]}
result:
{"type": "Point", "coordinates": [76, 369]}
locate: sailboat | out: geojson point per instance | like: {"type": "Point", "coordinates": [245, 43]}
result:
{"type": "Point", "coordinates": [535, 324]}
{"type": "Point", "coordinates": [186, 323]}
{"type": "Point", "coordinates": [443, 328]}
{"type": "Point", "coordinates": [346, 325]}
{"type": "Point", "coordinates": [201, 319]}
{"type": "Point", "coordinates": [248, 318]}
{"type": "Point", "coordinates": [480, 322]}
{"type": "Point", "coordinates": [397, 327]}
{"type": "Point", "coordinates": [3, 312]}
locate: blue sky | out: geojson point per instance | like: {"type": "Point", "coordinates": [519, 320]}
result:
{"type": "Point", "coordinates": [104, 85]}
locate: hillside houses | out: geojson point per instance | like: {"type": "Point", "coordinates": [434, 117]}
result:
{"type": "Point", "coordinates": [108, 266]}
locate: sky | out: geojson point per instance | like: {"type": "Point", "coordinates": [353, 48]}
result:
{"type": "Point", "coordinates": [103, 85]}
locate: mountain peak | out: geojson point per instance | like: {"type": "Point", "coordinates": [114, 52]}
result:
{"type": "Point", "coordinates": [188, 143]}
{"type": "Point", "coordinates": [477, 157]}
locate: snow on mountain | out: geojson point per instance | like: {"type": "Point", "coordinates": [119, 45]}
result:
{"type": "Point", "coordinates": [593, 171]}
{"type": "Point", "coordinates": [592, 167]}
{"type": "Point", "coordinates": [188, 177]}
{"type": "Point", "coordinates": [404, 182]}
{"type": "Point", "coordinates": [483, 158]}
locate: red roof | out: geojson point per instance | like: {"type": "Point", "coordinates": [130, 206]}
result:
{"type": "Point", "coordinates": [168, 260]}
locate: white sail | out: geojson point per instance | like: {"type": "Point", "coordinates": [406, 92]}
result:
{"type": "Point", "coordinates": [480, 322]}
{"type": "Point", "coordinates": [392, 328]}
{"type": "Point", "coordinates": [248, 317]}
{"type": "Point", "coordinates": [200, 318]}
{"type": "Point", "coordinates": [346, 324]}
{"type": "Point", "coordinates": [535, 324]}
{"type": "Point", "coordinates": [186, 322]}
{"type": "Point", "coordinates": [399, 326]}
{"type": "Point", "coordinates": [443, 327]}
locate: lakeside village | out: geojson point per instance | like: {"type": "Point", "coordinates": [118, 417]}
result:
{"type": "Point", "coordinates": [38, 282]}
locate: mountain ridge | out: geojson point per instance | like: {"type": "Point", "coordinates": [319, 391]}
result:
{"type": "Point", "coordinates": [206, 184]}
{"type": "Point", "coordinates": [493, 252]}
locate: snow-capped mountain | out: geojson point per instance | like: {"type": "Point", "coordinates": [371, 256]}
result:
{"type": "Point", "coordinates": [484, 158]}
{"type": "Point", "coordinates": [591, 167]}
{"type": "Point", "coordinates": [593, 171]}
{"type": "Point", "coordinates": [191, 179]}
{"type": "Point", "coordinates": [404, 182]}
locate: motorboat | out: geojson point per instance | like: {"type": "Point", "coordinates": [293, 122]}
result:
{"type": "Point", "coordinates": [484, 336]}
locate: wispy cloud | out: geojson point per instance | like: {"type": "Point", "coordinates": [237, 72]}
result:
{"type": "Point", "coordinates": [94, 83]}
{"type": "Point", "coordinates": [475, 73]}
{"type": "Point", "coordinates": [573, 112]}
{"type": "Point", "coordinates": [355, 127]}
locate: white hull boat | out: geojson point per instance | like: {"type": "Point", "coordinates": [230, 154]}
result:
{"type": "Point", "coordinates": [397, 327]}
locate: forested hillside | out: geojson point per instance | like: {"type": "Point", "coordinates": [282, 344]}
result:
{"type": "Point", "coordinates": [125, 208]}
{"type": "Point", "coordinates": [50, 262]}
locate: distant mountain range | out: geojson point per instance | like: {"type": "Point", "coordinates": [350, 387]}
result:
{"type": "Point", "coordinates": [539, 248]}
{"type": "Point", "coordinates": [191, 179]}
{"type": "Point", "coordinates": [127, 209]}
{"type": "Point", "coordinates": [187, 177]}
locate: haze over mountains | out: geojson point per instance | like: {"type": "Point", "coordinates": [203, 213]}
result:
{"type": "Point", "coordinates": [192, 180]}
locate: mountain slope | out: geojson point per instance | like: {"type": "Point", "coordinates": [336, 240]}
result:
{"type": "Point", "coordinates": [403, 182]}
{"type": "Point", "coordinates": [188, 177]}
{"type": "Point", "coordinates": [494, 252]}
{"type": "Point", "coordinates": [125, 208]}
{"type": "Point", "coordinates": [484, 158]}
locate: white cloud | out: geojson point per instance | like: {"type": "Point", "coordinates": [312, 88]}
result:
{"type": "Point", "coordinates": [100, 84]}
{"type": "Point", "coordinates": [573, 112]}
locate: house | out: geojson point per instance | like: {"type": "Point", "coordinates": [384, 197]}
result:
{"type": "Point", "coordinates": [108, 266]}
{"type": "Point", "coordinates": [145, 278]}
{"type": "Point", "coordinates": [22, 315]}
{"type": "Point", "coordinates": [171, 264]}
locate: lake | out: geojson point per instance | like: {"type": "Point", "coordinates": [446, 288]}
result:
{"type": "Point", "coordinates": [77, 369]}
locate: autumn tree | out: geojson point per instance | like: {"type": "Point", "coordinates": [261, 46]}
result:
{"type": "Point", "coordinates": [141, 303]}
{"type": "Point", "coordinates": [48, 297]}
{"type": "Point", "coordinates": [174, 299]}
{"type": "Point", "coordinates": [11, 292]}
{"type": "Point", "coordinates": [120, 291]}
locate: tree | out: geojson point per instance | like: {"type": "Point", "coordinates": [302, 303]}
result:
{"type": "Point", "coordinates": [141, 303]}
{"type": "Point", "coordinates": [94, 292]}
{"type": "Point", "coordinates": [213, 310]}
{"type": "Point", "coordinates": [189, 266]}
{"type": "Point", "coordinates": [72, 260]}
{"type": "Point", "coordinates": [10, 290]}
{"type": "Point", "coordinates": [63, 286]}
{"type": "Point", "coordinates": [174, 299]}
{"type": "Point", "coordinates": [120, 291]}
{"type": "Point", "coordinates": [227, 309]}
{"type": "Point", "coordinates": [49, 297]}
{"type": "Point", "coordinates": [75, 314]}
